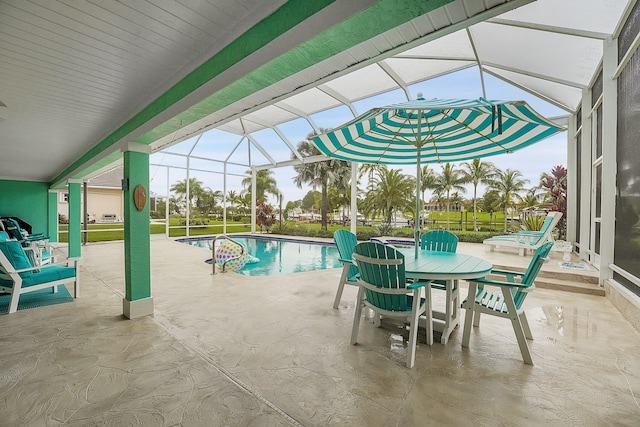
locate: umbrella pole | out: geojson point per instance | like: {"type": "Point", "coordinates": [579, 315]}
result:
{"type": "Point", "coordinates": [416, 220]}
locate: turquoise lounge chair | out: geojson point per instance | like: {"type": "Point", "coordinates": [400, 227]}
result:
{"type": "Point", "coordinates": [18, 276]}
{"type": "Point", "coordinates": [507, 303]}
{"type": "Point", "coordinates": [384, 289]}
{"type": "Point", "coordinates": [526, 240]}
{"type": "Point", "coordinates": [346, 242]}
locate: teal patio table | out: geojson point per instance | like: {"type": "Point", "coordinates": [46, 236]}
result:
{"type": "Point", "coordinates": [450, 267]}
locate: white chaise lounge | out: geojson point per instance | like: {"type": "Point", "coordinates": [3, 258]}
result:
{"type": "Point", "coordinates": [525, 240]}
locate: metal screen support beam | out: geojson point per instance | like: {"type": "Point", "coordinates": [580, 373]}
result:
{"type": "Point", "coordinates": [354, 197]}
{"type": "Point", "coordinates": [254, 175]}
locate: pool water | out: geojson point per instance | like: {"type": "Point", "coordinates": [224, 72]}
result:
{"type": "Point", "coordinates": [280, 256]}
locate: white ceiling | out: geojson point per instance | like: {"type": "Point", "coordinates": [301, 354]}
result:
{"type": "Point", "coordinates": [72, 72]}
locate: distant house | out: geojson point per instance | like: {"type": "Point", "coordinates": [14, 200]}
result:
{"type": "Point", "coordinates": [105, 198]}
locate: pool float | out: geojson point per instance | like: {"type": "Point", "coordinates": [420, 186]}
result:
{"type": "Point", "coordinates": [231, 255]}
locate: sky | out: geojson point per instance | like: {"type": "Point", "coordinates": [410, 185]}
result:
{"type": "Point", "coordinates": [531, 161]}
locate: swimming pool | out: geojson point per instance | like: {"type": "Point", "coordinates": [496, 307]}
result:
{"type": "Point", "coordinates": [279, 256]}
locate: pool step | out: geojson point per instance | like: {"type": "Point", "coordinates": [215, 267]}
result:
{"type": "Point", "coordinates": [583, 283]}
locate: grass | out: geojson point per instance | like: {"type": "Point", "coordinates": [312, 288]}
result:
{"type": "Point", "coordinates": [108, 232]}
{"type": "Point", "coordinates": [459, 222]}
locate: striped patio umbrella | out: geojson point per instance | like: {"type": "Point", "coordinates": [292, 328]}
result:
{"type": "Point", "coordinates": [436, 131]}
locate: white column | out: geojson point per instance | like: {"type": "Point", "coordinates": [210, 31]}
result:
{"type": "Point", "coordinates": [188, 207]}
{"type": "Point", "coordinates": [609, 168]}
{"type": "Point", "coordinates": [585, 179]}
{"type": "Point", "coordinates": [572, 180]}
{"type": "Point", "coordinates": [253, 200]}
{"type": "Point", "coordinates": [166, 207]}
{"type": "Point", "coordinates": [224, 200]}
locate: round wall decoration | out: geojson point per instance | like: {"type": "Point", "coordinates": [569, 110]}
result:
{"type": "Point", "coordinates": [140, 197]}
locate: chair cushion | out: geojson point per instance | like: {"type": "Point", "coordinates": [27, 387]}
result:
{"type": "Point", "coordinates": [12, 249]}
{"type": "Point", "coordinates": [49, 274]}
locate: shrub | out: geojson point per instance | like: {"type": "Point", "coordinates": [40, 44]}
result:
{"type": "Point", "coordinates": [385, 229]}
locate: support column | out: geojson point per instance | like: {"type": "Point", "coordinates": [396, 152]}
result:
{"type": "Point", "coordinates": [75, 206]}
{"type": "Point", "coordinates": [572, 181]}
{"type": "Point", "coordinates": [253, 200]}
{"type": "Point", "coordinates": [137, 260]}
{"type": "Point", "coordinates": [609, 167]}
{"type": "Point", "coordinates": [52, 215]}
{"type": "Point", "coordinates": [585, 180]}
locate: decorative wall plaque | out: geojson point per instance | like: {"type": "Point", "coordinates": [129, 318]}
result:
{"type": "Point", "coordinates": [140, 197]}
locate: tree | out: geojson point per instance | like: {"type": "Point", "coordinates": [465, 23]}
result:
{"type": "Point", "coordinates": [310, 200]}
{"type": "Point", "coordinates": [180, 189]}
{"type": "Point", "coordinates": [370, 169]}
{"type": "Point", "coordinates": [531, 199]}
{"type": "Point", "coordinates": [265, 216]}
{"type": "Point", "coordinates": [556, 183]}
{"type": "Point", "coordinates": [320, 174]}
{"type": "Point", "coordinates": [508, 184]}
{"type": "Point", "coordinates": [450, 180]}
{"type": "Point", "coordinates": [232, 199]}
{"type": "Point", "coordinates": [206, 201]}
{"type": "Point", "coordinates": [428, 181]}
{"type": "Point", "coordinates": [265, 184]}
{"type": "Point", "coordinates": [244, 202]}
{"type": "Point", "coordinates": [477, 172]}
{"type": "Point", "coordinates": [391, 193]}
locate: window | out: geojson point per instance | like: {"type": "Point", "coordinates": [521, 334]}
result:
{"type": "Point", "coordinates": [627, 237]}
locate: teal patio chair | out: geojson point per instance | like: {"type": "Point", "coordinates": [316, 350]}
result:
{"type": "Point", "coordinates": [439, 240]}
{"type": "Point", "coordinates": [19, 276]}
{"type": "Point", "coordinates": [37, 245]}
{"type": "Point", "coordinates": [526, 240]}
{"type": "Point", "coordinates": [384, 289]}
{"type": "Point", "coordinates": [508, 303]}
{"type": "Point", "coordinates": [443, 241]}
{"type": "Point", "coordinates": [345, 241]}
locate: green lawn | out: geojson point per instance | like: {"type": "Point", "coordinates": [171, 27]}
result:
{"type": "Point", "coordinates": [107, 232]}
{"type": "Point", "coordinates": [459, 222]}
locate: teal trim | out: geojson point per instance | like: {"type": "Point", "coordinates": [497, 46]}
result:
{"type": "Point", "coordinates": [137, 249]}
{"type": "Point", "coordinates": [380, 17]}
{"type": "Point", "coordinates": [75, 203]}
{"type": "Point", "coordinates": [363, 26]}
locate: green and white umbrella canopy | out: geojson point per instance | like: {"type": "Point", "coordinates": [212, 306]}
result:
{"type": "Point", "coordinates": [436, 131]}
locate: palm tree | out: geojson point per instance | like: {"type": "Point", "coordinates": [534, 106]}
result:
{"type": "Point", "coordinates": [244, 201]}
{"type": "Point", "coordinates": [195, 190]}
{"type": "Point", "coordinates": [428, 181]}
{"type": "Point", "coordinates": [531, 198]}
{"type": "Point", "coordinates": [265, 184]}
{"type": "Point", "coordinates": [450, 180]}
{"type": "Point", "coordinates": [322, 174]}
{"type": "Point", "coordinates": [477, 172]}
{"type": "Point", "coordinates": [391, 191]}
{"type": "Point", "coordinates": [232, 198]}
{"type": "Point", "coordinates": [206, 201]}
{"type": "Point", "coordinates": [370, 169]}
{"type": "Point", "coordinates": [508, 184]}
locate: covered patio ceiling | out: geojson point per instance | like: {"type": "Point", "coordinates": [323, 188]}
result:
{"type": "Point", "coordinates": [80, 79]}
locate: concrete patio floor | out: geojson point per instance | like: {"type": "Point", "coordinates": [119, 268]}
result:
{"type": "Point", "coordinates": [232, 350]}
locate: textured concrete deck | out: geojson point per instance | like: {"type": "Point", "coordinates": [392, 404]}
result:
{"type": "Point", "coordinates": [241, 351]}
